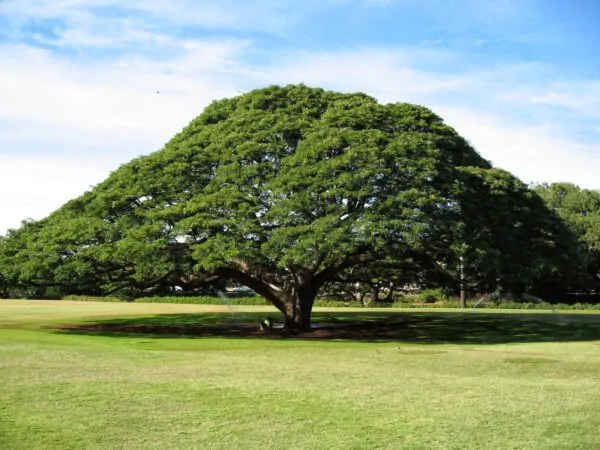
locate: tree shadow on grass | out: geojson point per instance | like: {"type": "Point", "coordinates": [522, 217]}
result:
{"type": "Point", "coordinates": [421, 327]}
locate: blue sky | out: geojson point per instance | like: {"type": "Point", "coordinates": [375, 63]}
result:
{"type": "Point", "coordinates": [78, 78]}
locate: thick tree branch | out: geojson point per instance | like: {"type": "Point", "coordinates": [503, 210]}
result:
{"type": "Point", "coordinates": [355, 259]}
{"type": "Point", "coordinates": [272, 293]}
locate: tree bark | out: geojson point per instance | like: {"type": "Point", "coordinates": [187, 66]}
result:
{"type": "Point", "coordinates": [299, 302]}
{"type": "Point", "coordinates": [297, 315]}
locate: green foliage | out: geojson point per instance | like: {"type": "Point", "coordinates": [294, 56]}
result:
{"type": "Point", "coordinates": [521, 305]}
{"type": "Point", "coordinates": [208, 300]}
{"type": "Point", "coordinates": [430, 299]}
{"type": "Point", "coordinates": [431, 295]}
{"type": "Point", "coordinates": [289, 189]}
{"type": "Point", "coordinates": [201, 300]}
{"type": "Point", "coordinates": [580, 209]}
{"type": "Point", "coordinates": [205, 300]}
{"type": "Point", "coordinates": [91, 298]}
{"type": "Point", "coordinates": [331, 303]}
{"type": "Point", "coordinates": [508, 238]}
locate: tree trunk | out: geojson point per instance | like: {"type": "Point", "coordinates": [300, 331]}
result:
{"type": "Point", "coordinates": [294, 298]}
{"type": "Point", "coordinates": [297, 318]}
{"type": "Point", "coordinates": [299, 303]}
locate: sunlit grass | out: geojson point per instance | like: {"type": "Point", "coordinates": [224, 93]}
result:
{"type": "Point", "coordinates": [537, 389]}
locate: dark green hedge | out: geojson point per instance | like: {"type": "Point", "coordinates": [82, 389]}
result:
{"type": "Point", "coordinates": [206, 300]}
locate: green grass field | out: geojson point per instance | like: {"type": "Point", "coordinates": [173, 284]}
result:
{"type": "Point", "coordinates": [479, 379]}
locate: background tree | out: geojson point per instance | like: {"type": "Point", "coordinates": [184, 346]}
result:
{"type": "Point", "coordinates": [580, 210]}
{"type": "Point", "coordinates": [509, 238]}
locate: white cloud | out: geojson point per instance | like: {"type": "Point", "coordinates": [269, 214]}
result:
{"type": "Point", "coordinates": [388, 74]}
{"type": "Point", "coordinates": [99, 18]}
{"type": "Point", "coordinates": [116, 98]}
{"type": "Point", "coordinates": [533, 153]}
{"type": "Point", "coordinates": [32, 187]}
{"type": "Point", "coordinates": [63, 126]}
{"type": "Point", "coordinates": [581, 97]}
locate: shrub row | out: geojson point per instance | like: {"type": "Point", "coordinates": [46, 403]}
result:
{"type": "Point", "coordinates": [420, 302]}
{"type": "Point", "coordinates": [91, 298]}
{"type": "Point", "coordinates": [199, 300]}
{"type": "Point", "coordinates": [546, 306]}
{"type": "Point", "coordinates": [206, 300]}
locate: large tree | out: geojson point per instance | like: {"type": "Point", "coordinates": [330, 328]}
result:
{"type": "Point", "coordinates": [284, 190]}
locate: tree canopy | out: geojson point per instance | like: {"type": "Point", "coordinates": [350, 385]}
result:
{"type": "Point", "coordinates": [580, 211]}
{"type": "Point", "coordinates": [287, 189]}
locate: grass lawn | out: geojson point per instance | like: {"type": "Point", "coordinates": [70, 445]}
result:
{"type": "Point", "coordinates": [479, 379]}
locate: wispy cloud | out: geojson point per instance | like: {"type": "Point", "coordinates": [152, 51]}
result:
{"type": "Point", "coordinates": [534, 152]}
{"type": "Point", "coordinates": [115, 98]}
{"type": "Point", "coordinates": [92, 22]}
{"type": "Point", "coordinates": [583, 98]}
{"type": "Point", "coordinates": [391, 73]}
{"type": "Point", "coordinates": [34, 187]}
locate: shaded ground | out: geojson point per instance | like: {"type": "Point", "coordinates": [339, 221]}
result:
{"type": "Point", "coordinates": [472, 328]}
